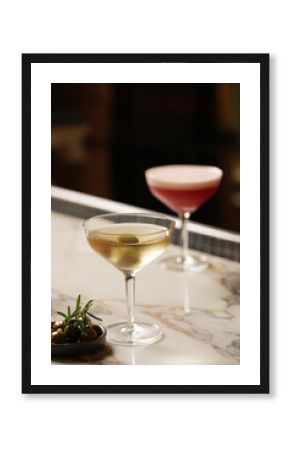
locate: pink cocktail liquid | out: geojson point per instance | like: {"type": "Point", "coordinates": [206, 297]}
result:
{"type": "Point", "coordinates": [183, 188]}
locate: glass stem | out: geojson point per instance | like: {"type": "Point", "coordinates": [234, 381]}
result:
{"type": "Point", "coordinates": [130, 294]}
{"type": "Point", "coordinates": [184, 234]}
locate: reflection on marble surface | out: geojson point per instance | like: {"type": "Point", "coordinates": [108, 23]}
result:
{"type": "Point", "coordinates": [199, 312]}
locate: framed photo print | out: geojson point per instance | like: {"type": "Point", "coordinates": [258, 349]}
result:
{"type": "Point", "coordinates": [145, 223]}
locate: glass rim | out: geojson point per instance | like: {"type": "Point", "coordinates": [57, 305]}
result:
{"type": "Point", "coordinates": [154, 177]}
{"type": "Point", "coordinates": [152, 215]}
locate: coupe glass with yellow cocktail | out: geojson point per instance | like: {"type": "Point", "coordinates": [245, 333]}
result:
{"type": "Point", "coordinates": [130, 242]}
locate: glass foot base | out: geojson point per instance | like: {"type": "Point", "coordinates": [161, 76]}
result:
{"type": "Point", "coordinates": [133, 334]}
{"type": "Point", "coordinates": [181, 264]}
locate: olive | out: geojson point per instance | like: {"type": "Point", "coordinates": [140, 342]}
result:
{"type": "Point", "coordinates": [72, 333]}
{"type": "Point", "coordinates": [57, 324]}
{"type": "Point", "coordinates": [129, 239]}
{"type": "Point", "coordinates": [97, 329]}
{"type": "Point", "coordinates": [58, 337]}
{"type": "Point", "coordinates": [91, 334]}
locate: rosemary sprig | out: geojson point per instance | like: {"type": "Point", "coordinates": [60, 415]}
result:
{"type": "Point", "coordinates": [78, 317]}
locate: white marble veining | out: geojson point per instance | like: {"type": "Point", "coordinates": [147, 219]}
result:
{"type": "Point", "coordinates": [199, 312]}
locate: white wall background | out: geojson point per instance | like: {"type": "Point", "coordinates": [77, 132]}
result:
{"type": "Point", "coordinates": [202, 422]}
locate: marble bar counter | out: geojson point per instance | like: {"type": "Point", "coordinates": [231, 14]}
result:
{"type": "Point", "coordinates": [199, 312]}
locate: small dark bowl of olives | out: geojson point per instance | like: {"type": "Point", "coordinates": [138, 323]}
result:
{"type": "Point", "coordinates": [76, 334]}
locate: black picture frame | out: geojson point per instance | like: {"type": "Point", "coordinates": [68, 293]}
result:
{"type": "Point", "coordinates": [263, 61]}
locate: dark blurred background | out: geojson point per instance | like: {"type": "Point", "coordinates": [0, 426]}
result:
{"type": "Point", "coordinates": [104, 136]}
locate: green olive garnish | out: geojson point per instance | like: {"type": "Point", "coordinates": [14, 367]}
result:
{"type": "Point", "coordinates": [129, 239]}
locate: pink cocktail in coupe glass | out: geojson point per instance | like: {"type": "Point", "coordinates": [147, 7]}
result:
{"type": "Point", "coordinates": [183, 189]}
